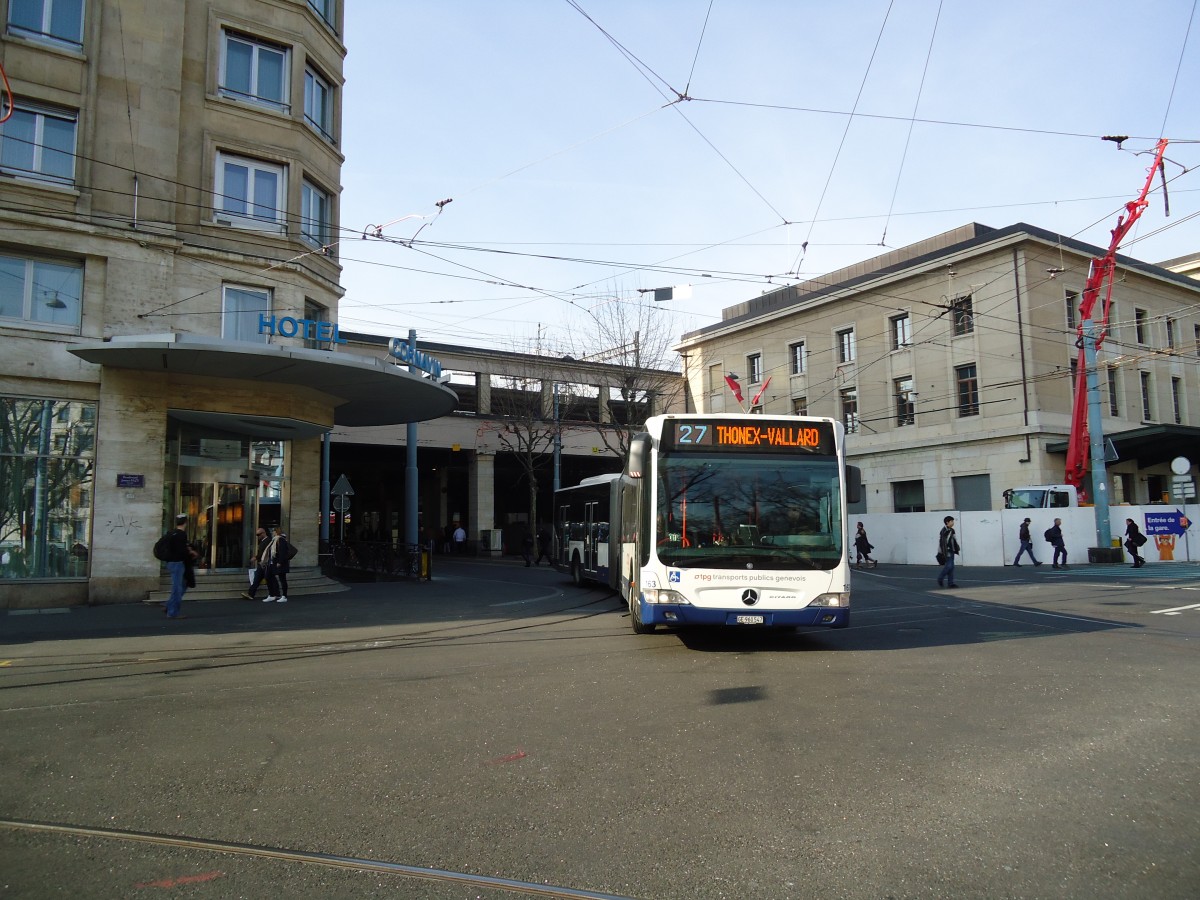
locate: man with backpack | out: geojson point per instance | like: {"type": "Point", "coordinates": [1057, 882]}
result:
{"type": "Point", "coordinates": [172, 548]}
{"type": "Point", "coordinates": [1055, 537]}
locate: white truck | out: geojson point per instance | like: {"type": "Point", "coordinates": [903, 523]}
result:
{"type": "Point", "coordinates": [1041, 496]}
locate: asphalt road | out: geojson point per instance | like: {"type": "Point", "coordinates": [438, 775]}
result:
{"type": "Point", "coordinates": [500, 733]}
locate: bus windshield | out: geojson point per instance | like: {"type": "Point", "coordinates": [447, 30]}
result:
{"type": "Point", "coordinates": [746, 511]}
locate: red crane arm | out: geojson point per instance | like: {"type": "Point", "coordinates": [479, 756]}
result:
{"type": "Point", "coordinates": [1100, 278]}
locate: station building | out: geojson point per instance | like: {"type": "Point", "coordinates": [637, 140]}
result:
{"type": "Point", "coordinates": [951, 363]}
{"type": "Point", "coordinates": [490, 465]}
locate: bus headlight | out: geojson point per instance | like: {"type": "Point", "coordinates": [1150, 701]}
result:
{"type": "Point", "coordinates": [662, 596]}
{"type": "Point", "coordinates": [832, 599]}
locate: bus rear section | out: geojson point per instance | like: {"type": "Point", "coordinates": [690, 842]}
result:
{"type": "Point", "coordinates": [736, 521]}
{"type": "Point", "coordinates": [583, 519]}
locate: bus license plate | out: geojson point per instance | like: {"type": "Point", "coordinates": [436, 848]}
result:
{"type": "Point", "coordinates": [749, 620]}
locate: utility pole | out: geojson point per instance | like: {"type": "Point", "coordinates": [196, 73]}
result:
{"type": "Point", "coordinates": [410, 472]}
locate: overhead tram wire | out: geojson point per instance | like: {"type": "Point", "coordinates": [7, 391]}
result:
{"type": "Point", "coordinates": [674, 98]}
{"type": "Point", "coordinates": [923, 121]}
{"type": "Point", "coordinates": [1178, 66]}
{"type": "Point", "coordinates": [842, 143]}
{"type": "Point", "coordinates": [911, 124]}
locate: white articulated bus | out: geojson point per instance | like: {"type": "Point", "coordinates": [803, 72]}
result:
{"type": "Point", "coordinates": [735, 520]}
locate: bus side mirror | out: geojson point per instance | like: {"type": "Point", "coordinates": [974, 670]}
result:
{"type": "Point", "coordinates": [853, 484]}
{"type": "Point", "coordinates": [639, 453]}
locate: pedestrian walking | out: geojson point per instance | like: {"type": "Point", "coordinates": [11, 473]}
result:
{"type": "Point", "coordinates": [179, 557]}
{"type": "Point", "coordinates": [460, 539]}
{"type": "Point", "coordinates": [948, 548]}
{"type": "Point", "coordinates": [259, 567]}
{"type": "Point", "coordinates": [1134, 539]}
{"type": "Point", "coordinates": [543, 540]}
{"type": "Point", "coordinates": [1054, 535]}
{"type": "Point", "coordinates": [1026, 544]}
{"type": "Point", "coordinates": [863, 548]}
{"type": "Point", "coordinates": [527, 548]}
{"type": "Point", "coordinates": [278, 563]}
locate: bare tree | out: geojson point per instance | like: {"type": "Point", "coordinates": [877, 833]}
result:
{"type": "Point", "coordinates": [633, 338]}
{"type": "Point", "coordinates": [527, 409]}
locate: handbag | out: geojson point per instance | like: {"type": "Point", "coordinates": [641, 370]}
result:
{"type": "Point", "coordinates": [251, 572]}
{"type": "Point", "coordinates": [291, 550]}
{"type": "Point", "coordinates": [941, 558]}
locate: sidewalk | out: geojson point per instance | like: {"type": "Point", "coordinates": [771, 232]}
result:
{"type": "Point", "coordinates": [356, 602]}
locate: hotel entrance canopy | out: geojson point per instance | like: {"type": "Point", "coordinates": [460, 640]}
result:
{"type": "Point", "coordinates": [365, 391]}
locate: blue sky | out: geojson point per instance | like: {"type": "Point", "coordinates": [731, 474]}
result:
{"type": "Point", "coordinates": [576, 181]}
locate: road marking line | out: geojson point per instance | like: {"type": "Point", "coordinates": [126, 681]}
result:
{"type": "Point", "coordinates": [1174, 611]}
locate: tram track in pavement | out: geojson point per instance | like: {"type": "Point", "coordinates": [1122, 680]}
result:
{"type": "Point", "coordinates": [525, 888]}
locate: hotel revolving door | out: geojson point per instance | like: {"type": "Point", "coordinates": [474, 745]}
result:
{"type": "Point", "coordinates": [228, 486]}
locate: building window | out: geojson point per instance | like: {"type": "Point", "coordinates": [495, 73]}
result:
{"type": "Point", "coordinates": [1071, 299]}
{"type": "Point", "coordinates": [906, 408]}
{"type": "Point", "coordinates": [901, 330]}
{"type": "Point", "coordinates": [53, 21]}
{"type": "Point", "coordinates": [967, 381]}
{"type": "Point", "coordinates": [39, 143]}
{"type": "Point", "coordinates": [908, 496]}
{"type": "Point", "coordinates": [846, 345]}
{"type": "Point", "coordinates": [963, 314]}
{"type": "Point", "coordinates": [315, 215]}
{"type": "Point", "coordinates": [796, 357]}
{"type": "Point", "coordinates": [240, 311]}
{"type": "Point", "coordinates": [799, 406]}
{"type": "Point", "coordinates": [40, 291]}
{"type": "Point", "coordinates": [849, 398]}
{"type": "Point", "coordinates": [1139, 325]}
{"type": "Point", "coordinates": [249, 193]}
{"type": "Point", "coordinates": [1177, 401]}
{"type": "Point", "coordinates": [1170, 334]}
{"type": "Point", "coordinates": [47, 460]}
{"type": "Point", "coordinates": [316, 312]}
{"type": "Point", "coordinates": [754, 368]}
{"type": "Point", "coordinates": [1114, 407]}
{"type": "Point", "coordinates": [1146, 408]}
{"type": "Point", "coordinates": [254, 70]}
{"type": "Point", "coordinates": [324, 9]}
{"type": "Point", "coordinates": [1196, 334]}
{"type": "Point", "coordinates": [318, 104]}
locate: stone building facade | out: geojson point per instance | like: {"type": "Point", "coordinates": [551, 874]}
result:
{"type": "Point", "coordinates": [171, 174]}
{"type": "Point", "coordinates": [951, 364]}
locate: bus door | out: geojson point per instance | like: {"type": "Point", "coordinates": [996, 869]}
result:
{"type": "Point", "coordinates": [589, 536]}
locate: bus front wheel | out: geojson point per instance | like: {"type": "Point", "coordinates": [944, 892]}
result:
{"type": "Point", "coordinates": [635, 617]}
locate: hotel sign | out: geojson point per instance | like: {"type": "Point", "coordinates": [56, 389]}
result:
{"type": "Point", "coordinates": [327, 333]}
{"type": "Point", "coordinates": [308, 329]}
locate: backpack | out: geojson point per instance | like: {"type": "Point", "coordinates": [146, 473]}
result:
{"type": "Point", "coordinates": [162, 547]}
{"type": "Point", "coordinates": [1048, 536]}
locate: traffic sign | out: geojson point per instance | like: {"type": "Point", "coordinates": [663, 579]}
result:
{"type": "Point", "coordinates": [342, 487]}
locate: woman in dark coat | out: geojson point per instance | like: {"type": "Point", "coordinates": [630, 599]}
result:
{"type": "Point", "coordinates": [1133, 542]}
{"type": "Point", "coordinates": [863, 547]}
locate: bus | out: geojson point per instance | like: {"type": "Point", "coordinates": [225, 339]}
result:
{"type": "Point", "coordinates": [719, 519]}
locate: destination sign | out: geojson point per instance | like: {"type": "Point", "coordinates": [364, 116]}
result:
{"type": "Point", "coordinates": [766, 436]}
